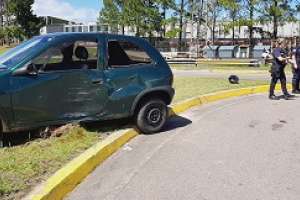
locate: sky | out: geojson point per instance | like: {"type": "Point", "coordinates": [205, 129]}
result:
{"type": "Point", "coordinates": [76, 10]}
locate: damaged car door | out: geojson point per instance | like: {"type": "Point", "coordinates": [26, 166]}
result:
{"type": "Point", "coordinates": [127, 66]}
{"type": "Point", "coordinates": [63, 83]}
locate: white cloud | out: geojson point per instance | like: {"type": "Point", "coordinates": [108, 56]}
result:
{"type": "Point", "coordinates": [59, 8]}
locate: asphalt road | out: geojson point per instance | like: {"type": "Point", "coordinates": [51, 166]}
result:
{"type": "Point", "coordinates": [247, 148]}
{"type": "Point", "coordinates": [210, 74]}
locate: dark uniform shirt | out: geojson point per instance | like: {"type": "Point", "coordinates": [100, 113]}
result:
{"type": "Point", "coordinates": [296, 52]}
{"type": "Point", "coordinates": [277, 64]}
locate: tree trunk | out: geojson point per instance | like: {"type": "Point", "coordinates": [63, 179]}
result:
{"type": "Point", "coordinates": [181, 25]}
{"type": "Point", "coordinates": [137, 31]}
{"type": "Point", "coordinates": [251, 35]}
{"type": "Point", "coordinates": [214, 29]}
{"type": "Point", "coordinates": [233, 29]}
{"type": "Point", "coordinates": [123, 29]}
{"type": "Point", "coordinates": [200, 16]}
{"type": "Point", "coordinates": [275, 22]}
{"type": "Point", "coordinates": [164, 17]}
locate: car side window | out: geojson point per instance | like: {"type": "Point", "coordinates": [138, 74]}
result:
{"type": "Point", "coordinates": [126, 54]}
{"type": "Point", "coordinates": [68, 56]}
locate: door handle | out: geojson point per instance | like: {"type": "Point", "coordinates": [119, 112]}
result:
{"type": "Point", "coordinates": [98, 81]}
{"type": "Point", "coordinates": [132, 77]}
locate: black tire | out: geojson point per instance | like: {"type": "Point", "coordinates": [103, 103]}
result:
{"type": "Point", "coordinates": [151, 116]}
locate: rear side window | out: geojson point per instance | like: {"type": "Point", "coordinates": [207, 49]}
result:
{"type": "Point", "coordinates": [126, 54]}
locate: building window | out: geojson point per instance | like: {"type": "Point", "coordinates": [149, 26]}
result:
{"type": "Point", "coordinates": [91, 28]}
{"type": "Point", "coordinates": [67, 29]}
{"type": "Point", "coordinates": [73, 29]}
{"type": "Point", "coordinates": [99, 28]}
{"type": "Point", "coordinates": [79, 28]}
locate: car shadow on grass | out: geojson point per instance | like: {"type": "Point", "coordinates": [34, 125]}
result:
{"type": "Point", "coordinates": [173, 123]}
{"type": "Point", "coordinates": [108, 126]}
{"type": "Point", "coordinates": [103, 127]}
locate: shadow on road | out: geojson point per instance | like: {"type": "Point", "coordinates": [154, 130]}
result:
{"type": "Point", "coordinates": [176, 122]}
{"type": "Point", "coordinates": [294, 97]}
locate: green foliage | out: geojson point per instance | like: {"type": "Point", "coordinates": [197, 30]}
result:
{"type": "Point", "coordinates": [24, 17]}
{"type": "Point", "coordinates": [110, 14]}
{"type": "Point", "coordinates": [172, 33]}
{"type": "Point", "coordinates": [276, 11]}
{"type": "Point", "coordinates": [146, 16]}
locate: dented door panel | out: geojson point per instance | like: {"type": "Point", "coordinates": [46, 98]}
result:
{"type": "Point", "coordinates": [58, 96]}
{"type": "Point", "coordinates": [36, 99]}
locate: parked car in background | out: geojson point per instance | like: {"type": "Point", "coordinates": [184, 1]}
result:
{"type": "Point", "coordinates": [65, 77]}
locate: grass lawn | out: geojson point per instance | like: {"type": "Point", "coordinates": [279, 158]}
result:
{"type": "Point", "coordinates": [193, 86]}
{"type": "Point", "coordinates": [227, 68]}
{"type": "Point", "coordinates": [213, 67]}
{"type": "Point", "coordinates": [26, 165]}
{"type": "Point", "coordinates": [3, 49]}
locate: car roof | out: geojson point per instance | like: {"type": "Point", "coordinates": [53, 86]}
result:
{"type": "Point", "coordinates": [65, 34]}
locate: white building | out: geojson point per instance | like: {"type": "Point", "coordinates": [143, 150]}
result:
{"type": "Point", "coordinates": [90, 27]}
{"type": "Point", "coordinates": [288, 29]}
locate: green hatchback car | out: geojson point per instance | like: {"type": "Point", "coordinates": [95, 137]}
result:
{"type": "Point", "coordinates": [66, 77]}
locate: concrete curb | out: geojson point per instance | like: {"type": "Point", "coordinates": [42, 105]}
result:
{"type": "Point", "coordinates": [67, 178]}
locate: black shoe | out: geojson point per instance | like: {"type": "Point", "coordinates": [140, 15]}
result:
{"type": "Point", "coordinates": [296, 91]}
{"type": "Point", "coordinates": [273, 97]}
{"type": "Point", "coordinates": [288, 96]}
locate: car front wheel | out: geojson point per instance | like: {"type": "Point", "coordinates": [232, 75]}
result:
{"type": "Point", "coordinates": [152, 116]}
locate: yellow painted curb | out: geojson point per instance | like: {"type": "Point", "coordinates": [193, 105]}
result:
{"type": "Point", "coordinates": [67, 178]}
{"type": "Point", "coordinates": [208, 98]}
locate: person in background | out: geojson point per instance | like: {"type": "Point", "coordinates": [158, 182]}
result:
{"type": "Point", "coordinates": [280, 60]}
{"type": "Point", "coordinates": [295, 62]}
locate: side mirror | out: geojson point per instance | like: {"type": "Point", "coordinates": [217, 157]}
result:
{"type": "Point", "coordinates": [28, 70]}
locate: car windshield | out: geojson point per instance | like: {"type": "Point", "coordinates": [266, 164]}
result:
{"type": "Point", "coordinates": [20, 52]}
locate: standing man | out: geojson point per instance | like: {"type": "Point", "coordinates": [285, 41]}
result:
{"type": "Point", "coordinates": [295, 62]}
{"type": "Point", "coordinates": [280, 60]}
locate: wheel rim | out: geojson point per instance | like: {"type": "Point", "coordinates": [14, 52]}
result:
{"type": "Point", "coordinates": [154, 116]}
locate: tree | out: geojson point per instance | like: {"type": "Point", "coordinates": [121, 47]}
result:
{"type": "Point", "coordinates": [181, 13]}
{"type": "Point", "coordinates": [165, 6]}
{"type": "Point", "coordinates": [250, 8]}
{"type": "Point", "coordinates": [232, 7]}
{"type": "Point", "coordinates": [214, 11]}
{"type": "Point", "coordinates": [143, 15]}
{"type": "Point", "coordinates": [110, 14]}
{"type": "Point", "coordinates": [22, 11]}
{"type": "Point", "coordinates": [2, 35]}
{"type": "Point", "coordinates": [277, 12]}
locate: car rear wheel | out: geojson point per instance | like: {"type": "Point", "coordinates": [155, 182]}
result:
{"type": "Point", "coordinates": [152, 116]}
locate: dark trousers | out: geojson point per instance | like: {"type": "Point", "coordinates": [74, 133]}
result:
{"type": "Point", "coordinates": [275, 77]}
{"type": "Point", "coordinates": [296, 79]}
